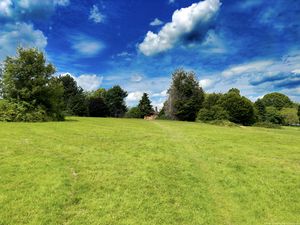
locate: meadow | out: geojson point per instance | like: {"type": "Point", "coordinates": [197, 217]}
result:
{"type": "Point", "coordinates": [129, 171]}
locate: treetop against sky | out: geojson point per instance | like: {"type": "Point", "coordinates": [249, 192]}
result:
{"type": "Point", "coordinates": [253, 45]}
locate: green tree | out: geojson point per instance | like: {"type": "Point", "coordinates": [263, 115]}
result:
{"type": "Point", "coordinates": [289, 116]}
{"type": "Point", "coordinates": [115, 100]}
{"type": "Point", "coordinates": [213, 113]}
{"type": "Point", "coordinates": [185, 97]}
{"type": "Point", "coordinates": [240, 109]}
{"type": "Point", "coordinates": [97, 103]}
{"type": "Point", "coordinates": [260, 110]}
{"type": "Point", "coordinates": [75, 102]}
{"type": "Point", "coordinates": [28, 79]}
{"type": "Point", "coordinates": [133, 112]}
{"type": "Point", "coordinates": [277, 100]}
{"type": "Point", "coordinates": [145, 106]}
{"type": "Point", "coordinates": [211, 100]}
{"type": "Point", "coordinates": [273, 115]}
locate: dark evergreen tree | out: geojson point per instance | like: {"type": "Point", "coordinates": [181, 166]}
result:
{"type": "Point", "coordinates": [98, 107]}
{"type": "Point", "coordinates": [145, 106]}
{"type": "Point", "coordinates": [185, 97]}
{"type": "Point", "coordinates": [115, 100]}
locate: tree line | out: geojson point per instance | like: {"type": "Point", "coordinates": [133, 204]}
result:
{"type": "Point", "coordinates": [31, 92]}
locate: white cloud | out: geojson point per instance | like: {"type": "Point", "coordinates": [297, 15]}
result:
{"type": "Point", "coordinates": [124, 54]}
{"type": "Point", "coordinates": [156, 22]}
{"type": "Point", "coordinates": [171, 1]}
{"type": "Point", "coordinates": [206, 83]}
{"type": "Point", "coordinates": [296, 71]}
{"type": "Point", "coordinates": [192, 22]}
{"type": "Point", "coordinates": [5, 8]}
{"type": "Point", "coordinates": [96, 15]}
{"type": "Point", "coordinates": [86, 46]}
{"type": "Point", "coordinates": [134, 96]}
{"type": "Point", "coordinates": [251, 67]}
{"type": "Point", "coordinates": [89, 82]}
{"type": "Point", "coordinates": [20, 34]}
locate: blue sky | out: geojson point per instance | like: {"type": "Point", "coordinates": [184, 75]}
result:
{"type": "Point", "coordinates": [253, 45]}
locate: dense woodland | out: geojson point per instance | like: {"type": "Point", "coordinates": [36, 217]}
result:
{"type": "Point", "coordinates": [30, 92]}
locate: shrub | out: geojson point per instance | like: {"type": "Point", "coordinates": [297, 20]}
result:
{"type": "Point", "coordinates": [267, 125]}
{"type": "Point", "coordinates": [134, 112]}
{"type": "Point", "coordinates": [24, 112]}
{"type": "Point", "coordinates": [289, 116]}
{"type": "Point", "coordinates": [214, 113]}
{"type": "Point", "coordinates": [273, 115]}
{"type": "Point", "coordinates": [225, 123]}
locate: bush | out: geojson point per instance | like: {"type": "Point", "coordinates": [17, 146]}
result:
{"type": "Point", "coordinates": [24, 112]}
{"type": "Point", "coordinates": [289, 116]}
{"type": "Point", "coordinates": [267, 125]}
{"type": "Point", "coordinates": [273, 115]}
{"type": "Point", "coordinates": [134, 112]}
{"type": "Point", "coordinates": [214, 113]}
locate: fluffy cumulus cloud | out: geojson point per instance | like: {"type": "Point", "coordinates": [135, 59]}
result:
{"type": "Point", "coordinates": [19, 34]}
{"type": "Point", "coordinates": [96, 15]}
{"type": "Point", "coordinates": [86, 46]}
{"type": "Point", "coordinates": [134, 96]}
{"type": "Point", "coordinates": [188, 25]}
{"type": "Point", "coordinates": [206, 83]}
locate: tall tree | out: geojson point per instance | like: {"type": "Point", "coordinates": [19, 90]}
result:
{"type": "Point", "coordinates": [185, 97]}
{"type": "Point", "coordinates": [27, 78]}
{"type": "Point", "coordinates": [115, 100]}
{"type": "Point", "coordinates": [97, 103]}
{"type": "Point", "coordinates": [145, 106]}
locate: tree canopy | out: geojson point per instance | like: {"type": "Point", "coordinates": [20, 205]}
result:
{"type": "Point", "coordinates": [145, 106]}
{"type": "Point", "coordinates": [185, 96]}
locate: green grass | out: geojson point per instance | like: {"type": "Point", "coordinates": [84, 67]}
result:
{"type": "Point", "coordinates": [122, 171]}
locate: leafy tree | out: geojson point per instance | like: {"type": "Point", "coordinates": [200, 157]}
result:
{"type": "Point", "coordinates": [211, 100]}
{"type": "Point", "coordinates": [277, 100]}
{"type": "Point", "coordinates": [115, 100]}
{"type": "Point", "coordinates": [28, 80]}
{"type": "Point", "coordinates": [289, 116]}
{"type": "Point", "coordinates": [133, 112]}
{"type": "Point", "coordinates": [260, 110]}
{"type": "Point", "coordinates": [240, 109]}
{"type": "Point", "coordinates": [185, 97]}
{"type": "Point", "coordinates": [273, 115]}
{"type": "Point", "coordinates": [145, 106]}
{"type": "Point", "coordinates": [213, 113]}
{"type": "Point", "coordinates": [75, 102]}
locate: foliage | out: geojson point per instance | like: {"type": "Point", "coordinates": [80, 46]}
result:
{"type": "Point", "coordinates": [289, 116]}
{"type": "Point", "coordinates": [277, 100]}
{"type": "Point", "coordinates": [299, 112]}
{"type": "Point", "coordinates": [115, 100]}
{"type": "Point", "coordinates": [273, 115]}
{"type": "Point", "coordinates": [28, 82]}
{"type": "Point", "coordinates": [185, 97]}
{"type": "Point", "coordinates": [211, 100]}
{"type": "Point", "coordinates": [75, 102]}
{"type": "Point", "coordinates": [224, 123]}
{"type": "Point", "coordinates": [213, 113]}
{"type": "Point", "coordinates": [22, 112]}
{"type": "Point", "coordinates": [267, 125]}
{"type": "Point", "coordinates": [240, 109]}
{"type": "Point", "coordinates": [260, 110]}
{"type": "Point", "coordinates": [97, 107]}
{"type": "Point", "coordinates": [145, 106]}
{"type": "Point", "coordinates": [133, 112]}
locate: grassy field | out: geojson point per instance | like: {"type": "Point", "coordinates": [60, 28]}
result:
{"type": "Point", "coordinates": [122, 171]}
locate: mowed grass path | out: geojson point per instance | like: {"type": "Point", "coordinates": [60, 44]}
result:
{"type": "Point", "coordinates": [122, 171]}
